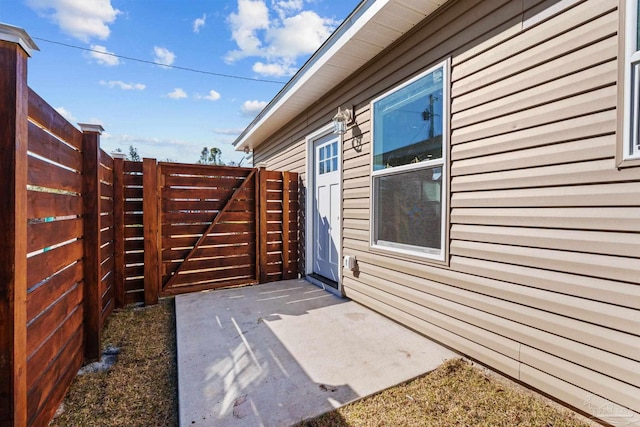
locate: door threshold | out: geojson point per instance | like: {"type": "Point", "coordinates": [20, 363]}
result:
{"type": "Point", "coordinates": [324, 283]}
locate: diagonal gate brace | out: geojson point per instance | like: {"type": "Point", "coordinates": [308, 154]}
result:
{"type": "Point", "coordinates": [215, 221]}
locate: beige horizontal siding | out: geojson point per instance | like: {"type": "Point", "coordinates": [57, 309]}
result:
{"type": "Point", "coordinates": [428, 322]}
{"type": "Point", "coordinates": [595, 242]}
{"type": "Point", "coordinates": [513, 321]}
{"type": "Point", "coordinates": [581, 150]}
{"type": "Point", "coordinates": [579, 105]}
{"type": "Point", "coordinates": [595, 172]}
{"type": "Point", "coordinates": [618, 294]}
{"type": "Point", "coordinates": [543, 276]}
{"type": "Point", "coordinates": [588, 401]}
{"type": "Point", "coordinates": [604, 50]}
{"type": "Point", "coordinates": [577, 128]}
{"type": "Point", "coordinates": [504, 63]}
{"type": "Point", "coordinates": [578, 218]}
{"type": "Point", "coordinates": [625, 269]}
{"type": "Point", "coordinates": [583, 81]}
{"type": "Point", "coordinates": [615, 194]}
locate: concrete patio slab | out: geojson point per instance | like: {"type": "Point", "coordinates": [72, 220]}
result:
{"type": "Point", "coordinates": [275, 354]}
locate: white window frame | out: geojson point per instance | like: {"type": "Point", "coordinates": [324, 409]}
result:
{"type": "Point", "coordinates": [443, 163]}
{"type": "Point", "coordinates": [631, 120]}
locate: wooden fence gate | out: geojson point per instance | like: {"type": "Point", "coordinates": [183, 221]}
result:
{"type": "Point", "coordinates": [207, 227]}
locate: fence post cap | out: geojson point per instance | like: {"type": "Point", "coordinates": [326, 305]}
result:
{"type": "Point", "coordinates": [118, 155]}
{"type": "Point", "coordinates": [88, 127]}
{"type": "Point", "coordinates": [261, 165]}
{"type": "Point", "coordinates": [10, 33]}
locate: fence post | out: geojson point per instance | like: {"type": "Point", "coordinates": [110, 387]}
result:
{"type": "Point", "coordinates": [262, 221]}
{"type": "Point", "coordinates": [15, 47]}
{"type": "Point", "coordinates": [118, 229]}
{"type": "Point", "coordinates": [285, 225]}
{"type": "Point", "coordinates": [150, 219]}
{"type": "Point", "coordinates": [91, 227]}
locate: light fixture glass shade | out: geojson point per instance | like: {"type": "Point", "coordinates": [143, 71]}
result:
{"type": "Point", "coordinates": [340, 121]}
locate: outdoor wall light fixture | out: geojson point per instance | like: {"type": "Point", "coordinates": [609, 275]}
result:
{"type": "Point", "coordinates": [341, 120]}
{"type": "Point", "coordinates": [247, 150]}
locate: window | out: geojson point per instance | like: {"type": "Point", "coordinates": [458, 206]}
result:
{"type": "Point", "coordinates": [409, 169]}
{"type": "Point", "coordinates": [631, 120]}
{"type": "Point", "coordinates": [328, 158]}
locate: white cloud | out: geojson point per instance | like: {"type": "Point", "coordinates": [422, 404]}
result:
{"type": "Point", "coordinates": [103, 56]}
{"type": "Point", "coordinates": [251, 17]}
{"type": "Point", "coordinates": [252, 108]}
{"type": "Point", "coordinates": [280, 41]}
{"type": "Point", "coordinates": [66, 114]}
{"type": "Point", "coordinates": [199, 23]}
{"type": "Point", "coordinates": [177, 93]}
{"type": "Point", "coordinates": [300, 34]}
{"type": "Point", "coordinates": [277, 70]}
{"type": "Point", "coordinates": [286, 7]}
{"type": "Point", "coordinates": [127, 140]}
{"type": "Point", "coordinates": [82, 19]}
{"type": "Point", "coordinates": [122, 85]}
{"type": "Point", "coordinates": [163, 56]}
{"type": "Point", "coordinates": [211, 96]}
{"type": "Point", "coordinates": [232, 131]}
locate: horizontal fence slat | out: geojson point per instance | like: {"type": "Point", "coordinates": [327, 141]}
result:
{"type": "Point", "coordinates": [241, 232]}
{"type": "Point", "coordinates": [211, 285]}
{"type": "Point", "coordinates": [43, 399]}
{"type": "Point", "coordinates": [47, 353]}
{"type": "Point", "coordinates": [46, 145]}
{"type": "Point", "coordinates": [106, 159]}
{"type": "Point", "coordinates": [43, 234]}
{"type": "Point", "coordinates": [205, 170]}
{"type": "Point", "coordinates": [179, 254]}
{"type": "Point", "coordinates": [222, 274]}
{"type": "Point", "coordinates": [43, 204]}
{"type": "Point", "coordinates": [206, 193]}
{"type": "Point", "coordinates": [202, 181]}
{"type": "Point", "coordinates": [43, 296]}
{"type": "Point", "coordinates": [42, 113]}
{"type": "Point", "coordinates": [46, 264]}
{"type": "Point", "coordinates": [209, 263]}
{"type": "Point", "coordinates": [39, 329]}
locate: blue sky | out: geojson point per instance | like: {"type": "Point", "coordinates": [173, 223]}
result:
{"type": "Point", "coordinates": [169, 113]}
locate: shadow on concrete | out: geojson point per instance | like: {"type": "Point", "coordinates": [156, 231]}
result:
{"type": "Point", "coordinates": [276, 354]}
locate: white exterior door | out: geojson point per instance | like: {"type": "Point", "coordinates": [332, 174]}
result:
{"type": "Point", "coordinates": [326, 219]}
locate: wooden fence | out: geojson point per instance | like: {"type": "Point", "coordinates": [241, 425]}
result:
{"type": "Point", "coordinates": [206, 227]}
{"type": "Point", "coordinates": [61, 239]}
{"type": "Point", "coordinates": [83, 233]}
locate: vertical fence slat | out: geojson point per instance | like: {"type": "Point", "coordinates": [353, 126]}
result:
{"type": "Point", "coordinates": [262, 236]}
{"type": "Point", "coordinates": [150, 226]}
{"type": "Point", "coordinates": [91, 217]}
{"type": "Point", "coordinates": [285, 225]}
{"type": "Point", "coordinates": [118, 226]}
{"type": "Point", "coordinates": [13, 228]}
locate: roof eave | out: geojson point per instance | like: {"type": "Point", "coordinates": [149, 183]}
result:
{"type": "Point", "coordinates": [366, 19]}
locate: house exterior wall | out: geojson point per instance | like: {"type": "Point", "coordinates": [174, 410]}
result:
{"type": "Point", "coordinates": [542, 278]}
